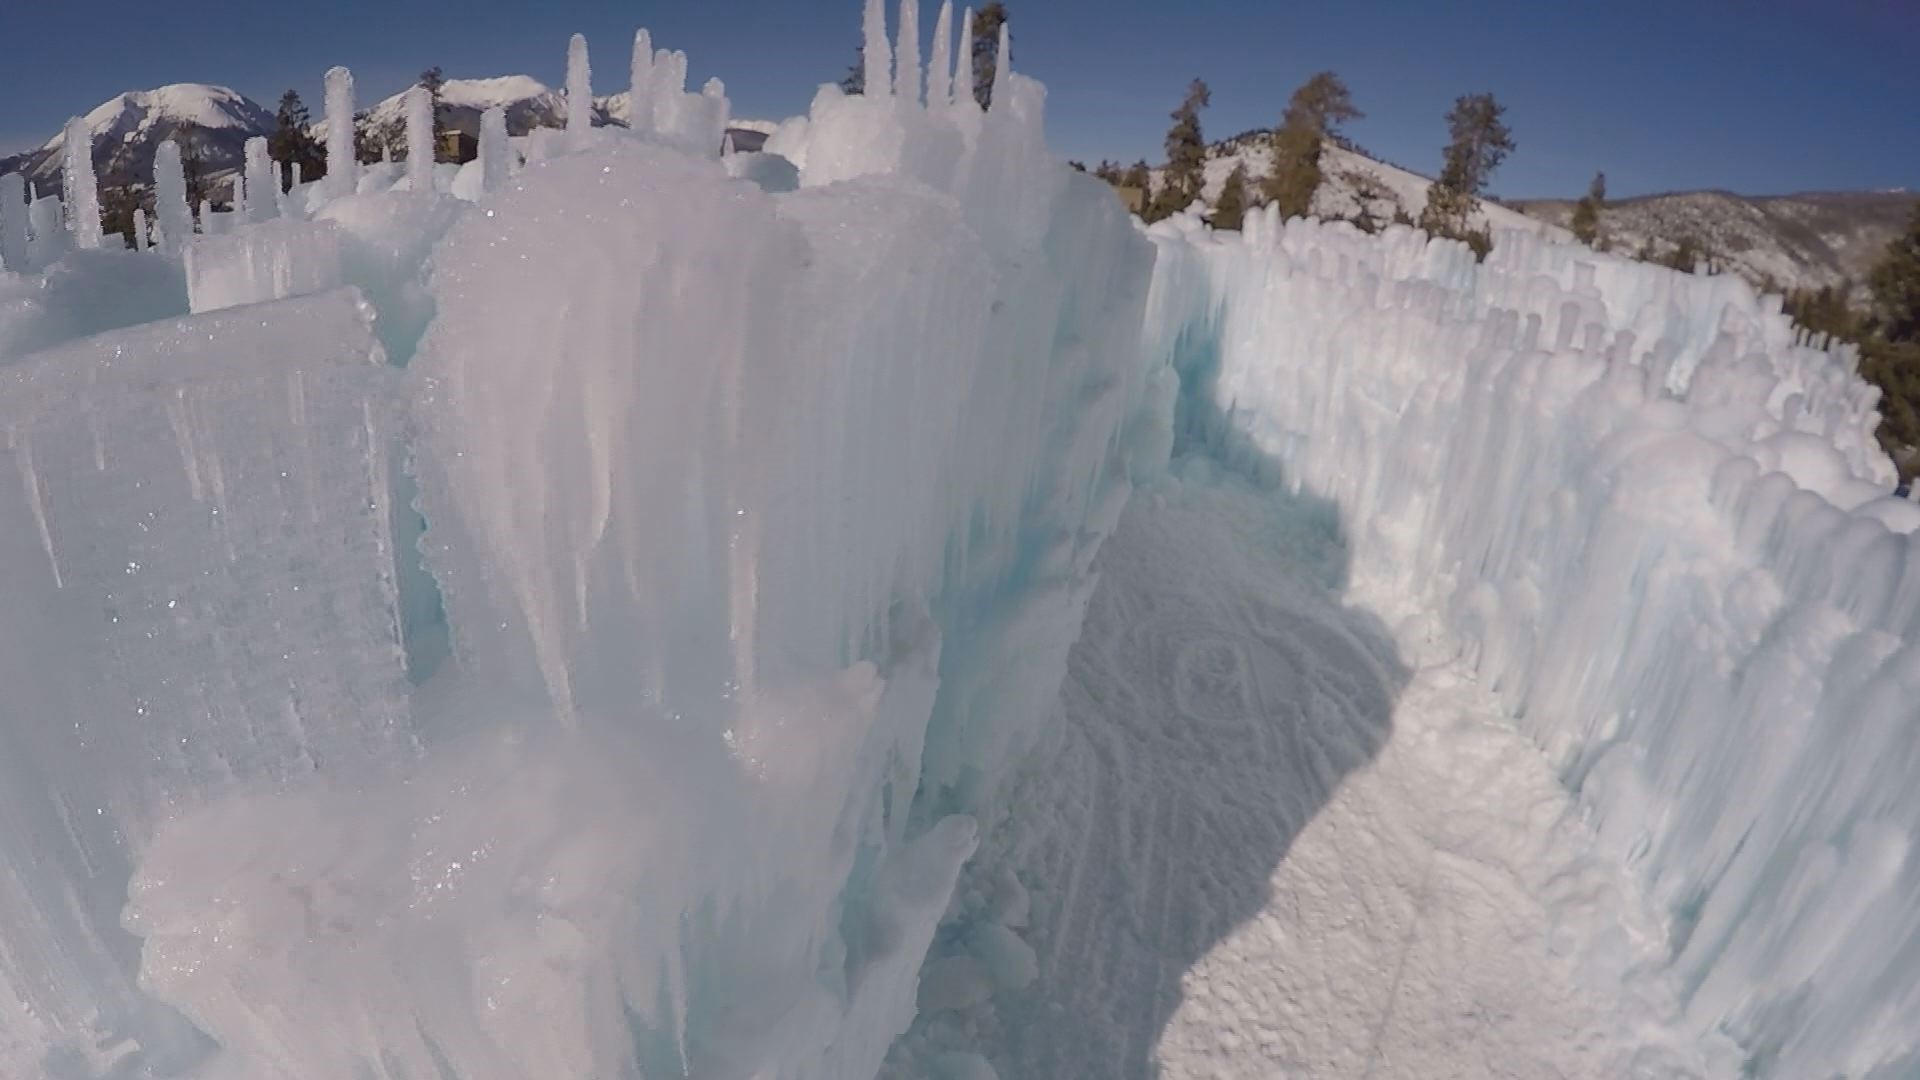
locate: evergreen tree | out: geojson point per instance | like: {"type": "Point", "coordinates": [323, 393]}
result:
{"type": "Point", "coordinates": [1314, 114]}
{"type": "Point", "coordinates": [1109, 172]}
{"type": "Point", "coordinates": [193, 168]}
{"type": "Point", "coordinates": [1186, 157]}
{"type": "Point", "coordinates": [1479, 141]}
{"type": "Point", "coordinates": [854, 82]}
{"type": "Point", "coordinates": [1138, 176]}
{"type": "Point", "coordinates": [986, 49]}
{"type": "Point", "coordinates": [292, 142]}
{"type": "Point", "coordinates": [119, 198]}
{"type": "Point", "coordinates": [1895, 284]}
{"type": "Point", "coordinates": [1586, 216]}
{"type": "Point", "coordinates": [1230, 210]}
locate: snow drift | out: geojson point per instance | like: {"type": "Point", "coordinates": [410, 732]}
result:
{"type": "Point", "coordinates": [571, 614]}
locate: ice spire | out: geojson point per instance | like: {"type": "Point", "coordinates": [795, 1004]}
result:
{"type": "Point", "coordinates": [963, 63]}
{"type": "Point", "coordinates": [139, 228]}
{"type": "Point", "coordinates": [1002, 65]}
{"type": "Point", "coordinates": [579, 89]}
{"type": "Point", "coordinates": [726, 145]}
{"type": "Point", "coordinates": [419, 139]}
{"type": "Point", "coordinates": [342, 166]}
{"type": "Point", "coordinates": [907, 78]}
{"type": "Point", "coordinates": [13, 222]}
{"type": "Point", "coordinates": [940, 70]}
{"type": "Point", "coordinates": [493, 149]}
{"type": "Point", "coordinates": [874, 52]}
{"type": "Point", "coordinates": [261, 188]}
{"type": "Point", "coordinates": [82, 194]}
{"type": "Point", "coordinates": [640, 88]}
{"type": "Point", "coordinates": [170, 197]}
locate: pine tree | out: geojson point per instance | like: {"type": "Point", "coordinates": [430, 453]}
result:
{"type": "Point", "coordinates": [292, 142]}
{"type": "Point", "coordinates": [119, 198]}
{"type": "Point", "coordinates": [1478, 142]}
{"type": "Point", "coordinates": [193, 167]}
{"type": "Point", "coordinates": [1230, 210]}
{"type": "Point", "coordinates": [854, 82]}
{"type": "Point", "coordinates": [986, 49]}
{"type": "Point", "coordinates": [1314, 113]}
{"type": "Point", "coordinates": [1186, 157]}
{"type": "Point", "coordinates": [1586, 216]}
{"type": "Point", "coordinates": [1895, 284]}
{"type": "Point", "coordinates": [1138, 176]}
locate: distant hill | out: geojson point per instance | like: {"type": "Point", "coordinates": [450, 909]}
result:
{"type": "Point", "coordinates": [1808, 240]}
{"type": "Point", "coordinates": [128, 127]}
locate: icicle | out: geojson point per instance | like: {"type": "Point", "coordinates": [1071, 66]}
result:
{"type": "Point", "coordinates": [205, 216]}
{"type": "Point", "coordinates": [13, 222]}
{"type": "Point", "coordinates": [579, 90]}
{"type": "Point", "coordinates": [297, 178]}
{"type": "Point", "coordinates": [726, 145]}
{"type": "Point", "coordinates": [874, 53]}
{"type": "Point", "coordinates": [940, 69]}
{"type": "Point", "coordinates": [640, 87]}
{"type": "Point", "coordinates": [908, 77]}
{"type": "Point", "coordinates": [963, 63]}
{"type": "Point", "coordinates": [1002, 65]}
{"type": "Point", "coordinates": [262, 203]}
{"type": "Point", "coordinates": [139, 228]}
{"type": "Point", "coordinates": [419, 140]}
{"type": "Point", "coordinates": [239, 199]}
{"type": "Point", "coordinates": [342, 166]}
{"type": "Point", "coordinates": [494, 149]}
{"type": "Point", "coordinates": [82, 191]}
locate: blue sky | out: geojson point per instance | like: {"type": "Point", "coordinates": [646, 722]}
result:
{"type": "Point", "coordinates": [1752, 95]}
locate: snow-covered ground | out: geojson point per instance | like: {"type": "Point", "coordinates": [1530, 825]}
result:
{"type": "Point", "coordinates": [1258, 843]}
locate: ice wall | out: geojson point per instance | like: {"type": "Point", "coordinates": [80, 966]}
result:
{"type": "Point", "coordinates": [759, 512]}
{"type": "Point", "coordinates": [1658, 524]}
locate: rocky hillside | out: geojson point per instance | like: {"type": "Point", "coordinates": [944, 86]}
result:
{"type": "Point", "coordinates": [1808, 240]}
{"type": "Point", "coordinates": [128, 127]}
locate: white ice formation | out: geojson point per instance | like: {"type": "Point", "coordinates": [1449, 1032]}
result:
{"type": "Point", "coordinates": [599, 655]}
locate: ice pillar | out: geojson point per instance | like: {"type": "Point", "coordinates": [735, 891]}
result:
{"type": "Point", "coordinates": [940, 69]}
{"type": "Point", "coordinates": [579, 90]}
{"type": "Point", "coordinates": [419, 139]}
{"type": "Point", "coordinates": [342, 165]}
{"type": "Point", "coordinates": [640, 86]}
{"type": "Point", "coordinates": [82, 191]}
{"type": "Point", "coordinates": [906, 65]}
{"type": "Point", "coordinates": [263, 189]}
{"type": "Point", "coordinates": [874, 52]}
{"type": "Point", "coordinates": [494, 149]}
{"type": "Point", "coordinates": [13, 222]}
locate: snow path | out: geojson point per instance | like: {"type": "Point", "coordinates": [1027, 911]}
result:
{"type": "Point", "coordinates": [1258, 845]}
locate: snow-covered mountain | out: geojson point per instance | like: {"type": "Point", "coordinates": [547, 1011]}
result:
{"type": "Point", "coordinates": [127, 128]}
{"type": "Point", "coordinates": [529, 104]}
{"type": "Point", "coordinates": [1807, 240]}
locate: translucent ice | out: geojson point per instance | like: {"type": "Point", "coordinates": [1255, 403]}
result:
{"type": "Point", "coordinates": [81, 192]}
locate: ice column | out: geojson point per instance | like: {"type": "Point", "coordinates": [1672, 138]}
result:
{"type": "Point", "coordinates": [907, 77]}
{"type": "Point", "coordinates": [419, 140]}
{"type": "Point", "coordinates": [493, 149]}
{"type": "Point", "coordinates": [640, 85]}
{"type": "Point", "coordinates": [874, 51]}
{"type": "Point", "coordinates": [170, 197]}
{"type": "Point", "coordinates": [139, 228]}
{"type": "Point", "coordinates": [940, 70]}
{"type": "Point", "coordinates": [963, 63]}
{"type": "Point", "coordinates": [13, 222]}
{"type": "Point", "coordinates": [262, 190]}
{"type": "Point", "coordinates": [579, 90]}
{"type": "Point", "coordinates": [82, 194]}
{"type": "Point", "coordinates": [342, 166]}
{"type": "Point", "coordinates": [1002, 65]}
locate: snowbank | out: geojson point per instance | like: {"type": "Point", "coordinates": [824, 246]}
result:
{"type": "Point", "coordinates": [1656, 522]}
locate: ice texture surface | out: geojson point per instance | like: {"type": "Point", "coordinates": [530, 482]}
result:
{"type": "Point", "coordinates": [596, 613]}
